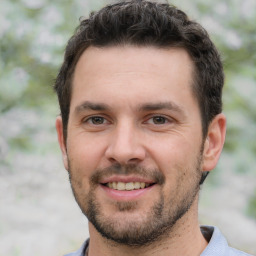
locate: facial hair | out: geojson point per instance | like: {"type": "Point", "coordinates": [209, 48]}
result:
{"type": "Point", "coordinates": [156, 223]}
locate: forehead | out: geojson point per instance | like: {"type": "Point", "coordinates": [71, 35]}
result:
{"type": "Point", "coordinates": [134, 58]}
{"type": "Point", "coordinates": [141, 73]}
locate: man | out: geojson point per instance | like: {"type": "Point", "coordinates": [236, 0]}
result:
{"type": "Point", "coordinates": [140, 128]}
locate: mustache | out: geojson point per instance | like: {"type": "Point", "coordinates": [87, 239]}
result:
{"type": "Point", "coordinates": [118, 169]}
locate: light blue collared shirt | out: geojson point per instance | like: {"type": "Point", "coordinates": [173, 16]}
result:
{"type": "Point", "coordinates": [217, 246]}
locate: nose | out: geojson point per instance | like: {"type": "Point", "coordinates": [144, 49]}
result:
{"type": "Point", "coordinates": [125, 145]}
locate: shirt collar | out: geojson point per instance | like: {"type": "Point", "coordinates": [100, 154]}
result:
{"type": "Point", "coordinates": [217, 243]}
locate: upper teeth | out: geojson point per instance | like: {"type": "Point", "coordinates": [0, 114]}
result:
{"type": "Point", "coordinates": [127, 186]}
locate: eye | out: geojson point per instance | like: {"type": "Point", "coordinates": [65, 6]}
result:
{"type": "Point", "coordinates": [96, 120]}
{"type": "Point", "coordinates": [158, 120]}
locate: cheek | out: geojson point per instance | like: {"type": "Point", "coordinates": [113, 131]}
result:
{"type": "Point", "coordinates": [175, 158]}
{"type": "Point", "coordinates": [85, 153]}
{"type": "Point", "coordinates": [172, 152]}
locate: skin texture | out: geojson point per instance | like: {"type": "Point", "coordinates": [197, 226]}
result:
{"type": "Point", "coordinates": [133, 117]}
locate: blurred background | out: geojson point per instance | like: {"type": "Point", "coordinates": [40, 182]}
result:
{"type": "Point", "coordinates": [38, 215]}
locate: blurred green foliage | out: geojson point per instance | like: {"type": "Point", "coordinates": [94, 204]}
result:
{"type": "Point", "coordinates": [252, 206]}
{"type": "Point", "coordinates": [33, 35]}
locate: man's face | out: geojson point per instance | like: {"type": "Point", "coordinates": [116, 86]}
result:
{"type": "Point", "coordinates": [134, 143]}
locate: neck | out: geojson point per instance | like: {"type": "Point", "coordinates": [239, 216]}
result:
{"type": "Point", "coordinates": [185, 238]}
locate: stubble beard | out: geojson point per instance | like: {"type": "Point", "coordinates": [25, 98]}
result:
{"type": "Point", "coordinates": [158, 221]}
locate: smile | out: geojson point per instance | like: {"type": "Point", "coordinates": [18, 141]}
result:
{"type": "Point", "coordinates": [122, 186]}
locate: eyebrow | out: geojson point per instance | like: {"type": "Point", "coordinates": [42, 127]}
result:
{"type": "Point", "coordinates": [160, 106]}
{"type": "Point", "coordinates": [88, 105]}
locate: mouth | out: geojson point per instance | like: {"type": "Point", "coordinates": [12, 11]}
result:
{"type": "Point", "coordinates": [127, 186]}
{"type": "Point", "coordinates": [122, 188]}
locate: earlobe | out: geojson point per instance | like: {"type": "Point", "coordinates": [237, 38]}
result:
{"type": "Point", "coordinates": [61, 140]}
{"type": "Point", "coordinates": [214, 142]}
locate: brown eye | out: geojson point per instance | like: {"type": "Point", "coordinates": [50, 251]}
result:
{"type": "Point", "coordinates": [97, 120]}
{"type": "Point", "coordinates": [159, 120]}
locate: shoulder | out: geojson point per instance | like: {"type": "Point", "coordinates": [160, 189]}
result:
{"type": "Point", "coordinates": [218, 245]}
{"type": "Point", "coordinates": [235, 252]}
{"type": "Point", "coordinates": [80, 251]}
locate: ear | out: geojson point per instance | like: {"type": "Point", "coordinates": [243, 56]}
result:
{"type": "Point", "coordinates": [214, 142]}
{"type": "Point", "coordinates": [62, 143]}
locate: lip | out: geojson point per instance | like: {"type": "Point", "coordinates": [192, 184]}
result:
{"type": "Point", "coordinates": [125, 195]}
{"type": "Point", "coordinates": [125, 179]}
